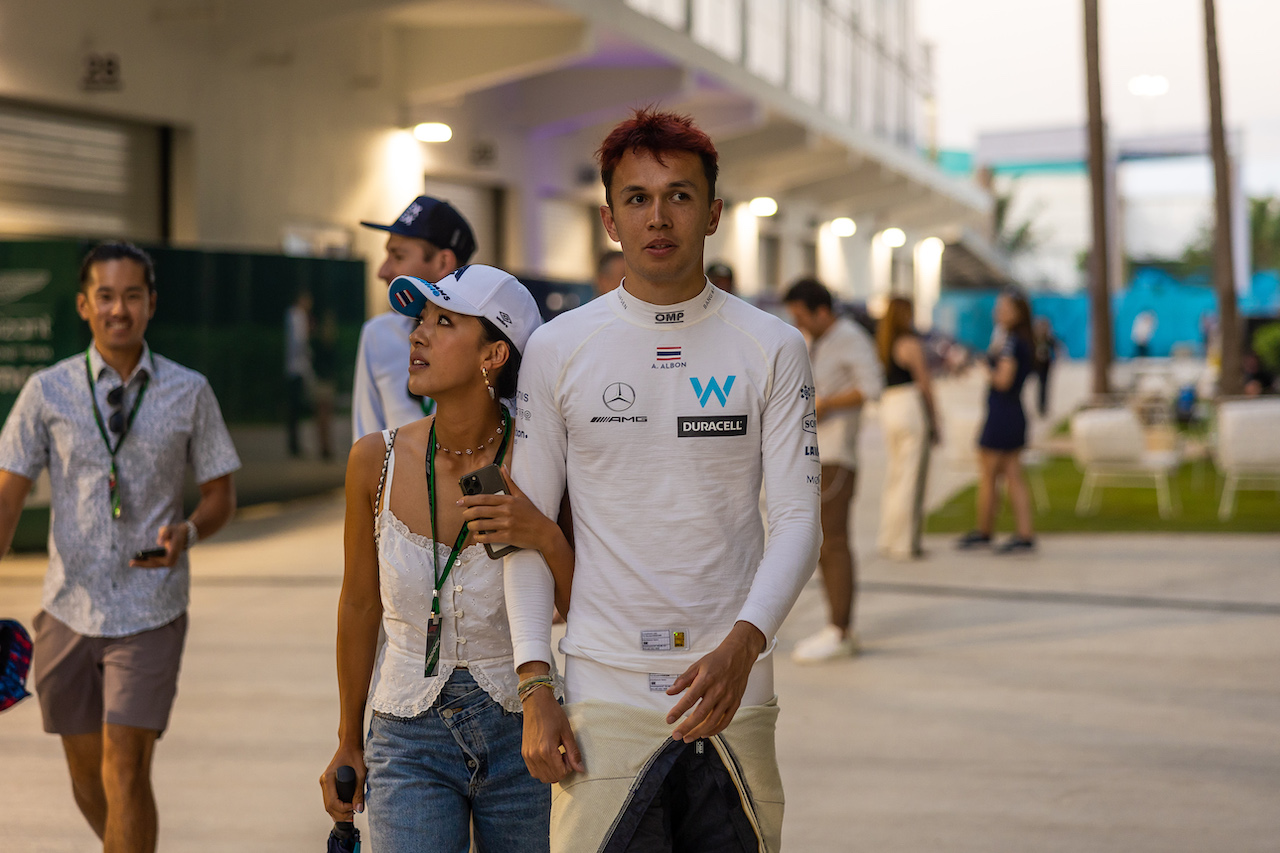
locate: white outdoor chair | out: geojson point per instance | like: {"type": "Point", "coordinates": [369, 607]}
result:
{"type": "Point", "coordinates": [1109, 445]}
{"type": "Point", "coordinates": [1248, 448]}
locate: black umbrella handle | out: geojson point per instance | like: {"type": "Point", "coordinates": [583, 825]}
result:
{"type": "Point", "coordinates": [345, 781]}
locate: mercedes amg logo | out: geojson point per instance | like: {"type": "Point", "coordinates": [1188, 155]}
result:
{"type": "Point", "coordinates": [619, 396]}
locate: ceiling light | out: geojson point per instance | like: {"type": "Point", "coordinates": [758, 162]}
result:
{"type": "Point", "coordinates": [893, 237]}
{"type": "Point", "coordinates": [843, 226]}
{"type": "Point", "coordinates": [433, 131]}
{"type": "Point", "coordinates": [763, 206]}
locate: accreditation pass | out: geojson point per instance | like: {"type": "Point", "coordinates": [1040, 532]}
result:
{"type": "Point", "coordinates": [665, 640]}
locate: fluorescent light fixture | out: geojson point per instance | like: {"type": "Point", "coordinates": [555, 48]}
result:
{"type": "Point", "coordinates": [763, 206]}
{"type": "Point", "coordinates": [843, 226]}
{"type": "Point", "coordinates": [1149, 85]}
{"type": "Point", "coordinates": [893, 237]}
{"type": "Point", "coordinates": [433, 131]}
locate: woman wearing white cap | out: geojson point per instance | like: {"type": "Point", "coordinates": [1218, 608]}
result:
{"type": "Point", "coordinates": [443, 749]}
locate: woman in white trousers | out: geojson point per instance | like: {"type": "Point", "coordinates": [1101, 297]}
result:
{"type": "Point", "coordinates": [910, 426]}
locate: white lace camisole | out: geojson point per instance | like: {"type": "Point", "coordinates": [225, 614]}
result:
{"type": "Point", "coordinates": [474, 633]}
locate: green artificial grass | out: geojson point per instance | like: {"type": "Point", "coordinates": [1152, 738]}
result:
{"type": "Point", "coordinates": [1124, 509]}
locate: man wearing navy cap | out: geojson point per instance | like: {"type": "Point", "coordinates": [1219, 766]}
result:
{"type": "Point", "coordinates": [429, 240]}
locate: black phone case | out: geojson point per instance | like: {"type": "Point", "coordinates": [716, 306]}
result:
{"type": "Point", "coordinates": [487, 481]}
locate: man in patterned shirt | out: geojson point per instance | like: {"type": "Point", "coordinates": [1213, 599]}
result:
{"type": "Point", "coordinates": [116, 426]}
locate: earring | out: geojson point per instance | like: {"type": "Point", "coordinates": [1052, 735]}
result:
{"type": "Point", "coordinates": [484, 371]}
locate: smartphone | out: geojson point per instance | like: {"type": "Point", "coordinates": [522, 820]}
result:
{"type": "Point", "coordinates": [487, 481]}
{"type": "Point", "coordinates": [150, 553]}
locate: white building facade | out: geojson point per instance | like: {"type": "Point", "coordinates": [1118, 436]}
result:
{"type": "Point", "coordinates": [279, 126]}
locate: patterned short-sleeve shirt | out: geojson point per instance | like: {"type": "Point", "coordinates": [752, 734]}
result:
{"type": "Point", "coordinates": [90, 585]}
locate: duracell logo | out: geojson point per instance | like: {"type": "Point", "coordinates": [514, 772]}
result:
{"type": "Point", "coordinates": [693, 427]}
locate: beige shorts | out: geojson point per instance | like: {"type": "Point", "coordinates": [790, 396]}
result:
{"type": "Point", "coordinates": [83, 682]}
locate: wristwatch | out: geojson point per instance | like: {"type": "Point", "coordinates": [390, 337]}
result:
{"type": "Point", "coordinates": [193, 533]}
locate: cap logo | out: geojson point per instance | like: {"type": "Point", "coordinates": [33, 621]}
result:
{"type": "Point", "coordinates": [505, 318]}
{"type": "Point", "coordinates": [404, 297]}
{"type": "Point", "coordinates": [435, 291]}
{"type": "Point", "coordinates": [457, 274]}
{"type": "Point", "coordinates": [410, 213]}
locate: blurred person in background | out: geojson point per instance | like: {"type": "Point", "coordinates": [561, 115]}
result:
{"type": "Point", "coordinates": [846, 374]}
{"type": "Point", "coordinates": [1046, 345]}
{"type": "Point", "coordinates": [428, 241]}
{"type": "Point", "coordinates": [609, 271]}
{"type": "Point", "coordinates": [1141, 333]}
{"type": "Point", "coordinates": [909, 421]}
{"type": "Point", "coordinates": [721, 275]}
{"type": "Point", "coordinates": [1004, 434]}
{"type": "Point", "coordinates": [299, 374]}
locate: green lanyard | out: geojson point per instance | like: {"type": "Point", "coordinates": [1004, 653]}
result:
{"type": "Point", "coordinates": [113, 478]}
{"type": "Point", "coordinates": [433, 626]}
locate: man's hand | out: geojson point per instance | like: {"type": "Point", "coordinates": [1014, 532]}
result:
{"type": "Point", "coordinates": [173, 539]}
{"type": "Point", "coordinates": [716, 683]}
{"type": "Point", "coordinates": [549, 749]}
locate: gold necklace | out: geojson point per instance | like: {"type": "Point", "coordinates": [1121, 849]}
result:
{"type": "Point", "coordinates": [468, 451]}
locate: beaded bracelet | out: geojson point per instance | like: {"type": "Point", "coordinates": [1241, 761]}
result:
{"type": "Point", "coordinates": [531, 684]}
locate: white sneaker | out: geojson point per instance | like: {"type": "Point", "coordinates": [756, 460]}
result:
{"type": "Point", "coordinates": [827, 644]}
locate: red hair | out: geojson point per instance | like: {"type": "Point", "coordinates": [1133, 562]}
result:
{"type": "Point", "coordinates": [657, 133]}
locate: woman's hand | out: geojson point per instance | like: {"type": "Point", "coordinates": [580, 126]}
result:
{"type": "Point", "coordinates": [509, 519]}
{"type": "Point", "coordinates": [337, 809]}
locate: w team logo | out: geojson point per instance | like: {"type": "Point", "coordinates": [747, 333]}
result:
{"type": "Point", "coordinates": [713, 387]}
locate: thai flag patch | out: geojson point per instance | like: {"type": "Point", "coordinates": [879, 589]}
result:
{"type": "Point", "coordinates": [668, 353]}
{"type": "Point", "coordinates": [405, 298]}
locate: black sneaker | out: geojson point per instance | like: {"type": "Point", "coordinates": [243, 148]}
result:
{"type": "Point", "coordinates": [1016, 545]}
{"type": "Point", "coordinates": [973, 539]}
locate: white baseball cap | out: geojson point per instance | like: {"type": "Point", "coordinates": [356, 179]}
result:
{"type": "Point", "coordinates": [477, 291]}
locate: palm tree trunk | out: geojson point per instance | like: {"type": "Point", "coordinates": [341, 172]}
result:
{"type": "Point", "coordinates": [1231, 372]}
{"type": "Point", "coordinates": [1101, 343]}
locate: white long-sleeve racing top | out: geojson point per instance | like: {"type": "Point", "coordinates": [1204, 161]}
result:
{"type": "Point", "coordinates": [663, 422]}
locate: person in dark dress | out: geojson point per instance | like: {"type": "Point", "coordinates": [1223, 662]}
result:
{"type": "Point", "coordinates": [1046, 354]}
{"type": "Point", "coordinates": [1004, 434]}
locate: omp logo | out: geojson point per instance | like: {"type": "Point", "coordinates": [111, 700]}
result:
{"type": "Point", "coordinates": [713, 387]}
{"type": "Point", "coordinates": [669, 317]}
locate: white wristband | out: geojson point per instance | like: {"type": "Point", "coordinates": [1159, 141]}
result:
{"type": "Point", "coordinates": [193, 533]}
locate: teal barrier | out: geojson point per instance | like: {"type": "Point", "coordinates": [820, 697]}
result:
{"type": "Point", "coordinates": [1184, 309]}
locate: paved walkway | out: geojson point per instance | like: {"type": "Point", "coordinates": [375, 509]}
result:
{"type": "Point", "coordinates": [1111, 693]}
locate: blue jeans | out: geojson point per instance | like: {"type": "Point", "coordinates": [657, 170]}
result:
{"type": "Point", "coordinates": [434, 776]}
